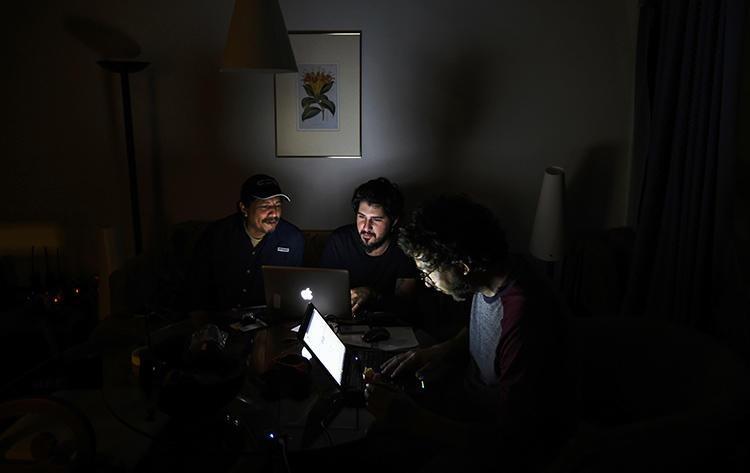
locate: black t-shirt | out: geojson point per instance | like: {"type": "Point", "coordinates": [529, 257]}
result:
{"type": "Point", "coordinates": [226, 269]}
{"type": "Point", "coordinates": [344, 250]}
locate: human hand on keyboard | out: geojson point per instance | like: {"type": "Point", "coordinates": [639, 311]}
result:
{"type": "Point", "coordinates": [383, 398]}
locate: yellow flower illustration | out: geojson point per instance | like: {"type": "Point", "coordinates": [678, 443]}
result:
{"type": "Point", "coordinates": [316, 85]}
{"type": "Point", "coordinates": [316, 81]}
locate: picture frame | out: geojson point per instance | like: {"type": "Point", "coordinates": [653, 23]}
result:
{"type": "Point", "coordinates": [318, 109]}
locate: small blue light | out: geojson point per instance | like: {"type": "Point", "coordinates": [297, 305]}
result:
{"type": "Point", "coordinates": [271, 435]}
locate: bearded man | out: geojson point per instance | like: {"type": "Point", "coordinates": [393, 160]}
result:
{"type": "Point", "coordinates": [380, 274]}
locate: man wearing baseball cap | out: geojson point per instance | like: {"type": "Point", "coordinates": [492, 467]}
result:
{"type": "Point", "coordinates": [226, 267]}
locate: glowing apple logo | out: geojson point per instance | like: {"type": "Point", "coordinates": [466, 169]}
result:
{"type": "Point", "coordinates": [306, 294]}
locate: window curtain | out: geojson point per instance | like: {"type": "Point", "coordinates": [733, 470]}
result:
{"type": "Point", "coordinates": [684, 155]}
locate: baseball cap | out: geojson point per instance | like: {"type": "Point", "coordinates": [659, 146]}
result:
{"type": "Point", "coordinates": [261, 186]}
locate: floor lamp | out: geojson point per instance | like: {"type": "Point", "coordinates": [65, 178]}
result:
{"type": "Point", "coordinates": [548, 234]}
{"type": "Point", "coordinates": [125, 68]}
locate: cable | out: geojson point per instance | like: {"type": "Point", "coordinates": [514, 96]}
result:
{"type": "Point", "coordinates": [282, 442]}
{"type": "Point", "coordinates": [325, 431]}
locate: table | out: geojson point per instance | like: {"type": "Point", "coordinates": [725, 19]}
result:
{"type": "Point", "coordinates": [249, 425]}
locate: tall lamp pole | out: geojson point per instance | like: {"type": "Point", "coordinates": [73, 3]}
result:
{"type": "Point", "coordinates": [124, 68]}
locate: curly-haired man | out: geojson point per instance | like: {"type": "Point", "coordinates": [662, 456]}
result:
{"type": "Point", "coordinates": [514, 389]}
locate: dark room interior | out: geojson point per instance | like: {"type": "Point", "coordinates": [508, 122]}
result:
{"type": "Point", "coordinates": [617, 132]}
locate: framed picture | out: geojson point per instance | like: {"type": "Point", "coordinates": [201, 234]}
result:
{"type": "Point", "coordinates": [318, 108]}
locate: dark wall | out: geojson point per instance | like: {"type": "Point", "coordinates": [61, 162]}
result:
{"type": "Point", "coordinates": [742, 202]}
{"type": "Point", "coordinates": [457, 96]}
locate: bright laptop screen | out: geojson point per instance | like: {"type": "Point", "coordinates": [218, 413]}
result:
{"type": "Point", "coordinates": [325, 345]}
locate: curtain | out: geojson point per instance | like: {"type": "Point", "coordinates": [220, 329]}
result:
{"type": "Point", "coordinates": [684, 154]}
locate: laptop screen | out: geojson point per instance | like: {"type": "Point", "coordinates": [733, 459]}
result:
{"type": "Point", "coordinates": [323, 342]}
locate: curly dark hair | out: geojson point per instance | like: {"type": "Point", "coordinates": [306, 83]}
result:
{"type": "Point", "coordinates": [453, 228]}
{"type": "Point", "coordinates": [381, 192]}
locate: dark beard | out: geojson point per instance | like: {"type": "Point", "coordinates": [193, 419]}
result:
{"type": "Point", "coordinates": [370, 247]}
{"type": "Point", "coordinates": [461, 290]}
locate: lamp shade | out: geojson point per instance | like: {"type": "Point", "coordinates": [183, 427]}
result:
{"type": "Point", "coordinates": [258, 38]}
{"type": "Point", "coordinates": [548, 233]}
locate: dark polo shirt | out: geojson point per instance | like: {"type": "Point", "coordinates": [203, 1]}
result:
{"type": "Point", "coordinates": [226, 269]}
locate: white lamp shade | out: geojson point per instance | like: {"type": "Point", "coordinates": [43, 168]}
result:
{"type": "Point", "coordinates": [548, 234]}
{"type": "Point", "coordinates": [258, 38]}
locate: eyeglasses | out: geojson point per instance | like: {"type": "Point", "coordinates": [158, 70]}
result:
{"type": "Point", "coordinates": [424, 276]}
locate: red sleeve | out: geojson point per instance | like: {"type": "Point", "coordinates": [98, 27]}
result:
{"type": "Point", "coordinates": [511, 360]}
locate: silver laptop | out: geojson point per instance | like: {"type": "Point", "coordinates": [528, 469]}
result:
{"type": "Point", "coordinates": [289, 289]}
